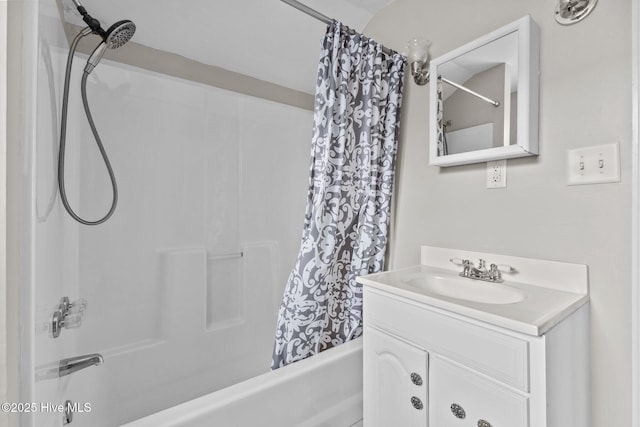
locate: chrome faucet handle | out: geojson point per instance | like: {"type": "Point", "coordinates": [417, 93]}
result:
{"type": "Point", "coordinates": [506, 268]}
{"type": "Point", "coordinates": [466, 265]}
{"type": "Point", "coordinates": [494, 273]}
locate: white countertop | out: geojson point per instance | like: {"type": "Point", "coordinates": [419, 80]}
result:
{"type": "Point", "coordinates": [540, 310]}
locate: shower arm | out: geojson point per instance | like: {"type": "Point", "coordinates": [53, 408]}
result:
{"type": "Point", "coordinates": [93, 23]}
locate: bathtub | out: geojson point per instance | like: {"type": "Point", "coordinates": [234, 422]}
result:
{"type": "Point", "coordinates": [324, 390]}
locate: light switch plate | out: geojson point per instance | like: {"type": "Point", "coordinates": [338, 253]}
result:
{"type": "Point", "coordinates": [593, 165]}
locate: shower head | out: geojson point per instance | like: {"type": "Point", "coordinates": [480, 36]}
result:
{"type": "Point", "coordinates": [119, 34]}
{"type": "Point", "coordinates": [116, 36]}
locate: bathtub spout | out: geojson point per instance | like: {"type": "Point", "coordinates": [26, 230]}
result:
{"type": "Point", "coordinates": [74, 364]}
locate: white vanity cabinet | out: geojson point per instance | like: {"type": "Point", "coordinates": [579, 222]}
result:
{"type": "Point", "coordinates": [397, 381]}
{"type": "Point", "coordinates": [472, 373]}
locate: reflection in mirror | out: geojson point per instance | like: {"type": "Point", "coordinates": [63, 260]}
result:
{"type": "Point", "coordinates": [482, 94]}
{"type": "Point", "coordinates": [479, 96]}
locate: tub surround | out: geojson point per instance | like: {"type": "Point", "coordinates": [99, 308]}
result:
{"type": "Point", "coordinates": [175, 65]}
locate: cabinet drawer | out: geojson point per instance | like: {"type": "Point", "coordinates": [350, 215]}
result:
{"type": "Point", "coordinates": [498, 355]}
{"type": "Point", "coordinates": [461, 398]}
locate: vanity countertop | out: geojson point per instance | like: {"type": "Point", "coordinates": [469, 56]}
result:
{"type": "Point", "coordinates": [520, 307]}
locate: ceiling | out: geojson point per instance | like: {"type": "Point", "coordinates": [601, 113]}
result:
{"type": "Point", "coordinates": [265, 39]}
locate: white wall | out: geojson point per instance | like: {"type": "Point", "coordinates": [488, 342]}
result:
{"type": "Point", "coordinates": [3, 207]}
{"type": "Point", "coordinates": [585, 99]}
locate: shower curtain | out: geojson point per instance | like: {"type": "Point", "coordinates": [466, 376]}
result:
{"type": "Point", "coordinates": [356, 122]}
{"type": "Point", "coordinates": [443, 149]}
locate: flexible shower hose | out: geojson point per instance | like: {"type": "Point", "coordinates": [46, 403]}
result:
{"type": "Point", "coordinates": [63, 137]}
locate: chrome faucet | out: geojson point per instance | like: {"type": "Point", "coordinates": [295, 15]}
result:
{"type": "Point", "coordinates": [74, 364]}
{"type": "Point", "coordinates": [470, 271]}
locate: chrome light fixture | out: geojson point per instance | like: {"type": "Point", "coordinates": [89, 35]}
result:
{"type": "Point", "coordinates": [417, 53]}
{"type": "Point", "coordinates": [572, 11]}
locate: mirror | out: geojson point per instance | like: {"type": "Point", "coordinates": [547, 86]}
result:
{"type": "Point", "coordinates": [484, 98]}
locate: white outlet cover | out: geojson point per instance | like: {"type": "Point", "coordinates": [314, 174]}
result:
{"type": "Point", "coordinates": [497, 174]}
{"type": "Point", "coordinates": [593, 165]}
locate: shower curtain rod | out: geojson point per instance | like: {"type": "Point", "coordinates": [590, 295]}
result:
{"type": "Point", "coordinates": [324, 18]}
{"type": "Point", "coordinates": [320, 17]}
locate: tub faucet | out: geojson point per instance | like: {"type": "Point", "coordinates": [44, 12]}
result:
{"type": "Point", "coordinates": [74, 364]}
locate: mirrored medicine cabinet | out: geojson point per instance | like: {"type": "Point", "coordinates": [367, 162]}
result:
{"type": "Point", "coordinates": [483, 98]}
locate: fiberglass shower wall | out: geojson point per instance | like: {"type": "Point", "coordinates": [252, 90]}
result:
{"type": "Point", "coordinates": [204, 175]}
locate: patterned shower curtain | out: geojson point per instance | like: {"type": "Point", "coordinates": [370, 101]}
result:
{"type": "Point", "coordinates": [356, 121]}
{"type": "Point", "coordinates": [443, 149]}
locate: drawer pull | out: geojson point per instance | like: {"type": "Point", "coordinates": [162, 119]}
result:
{"type": "Point", "coordinates": [416, 378]}
{"type": "Point", "coordinates": [483, 423]}
{"type": "Point", "coordinates": [417, 403]}
{"type": "Point", "coordinates": [458, 411]}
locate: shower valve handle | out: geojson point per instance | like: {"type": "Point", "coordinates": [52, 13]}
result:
{"type": "Point", "coordinates": [79, 306]}
{"type": "Point", "coordinates": [68, 315]}
{"type": "Point", "coordinates": [72, 322]}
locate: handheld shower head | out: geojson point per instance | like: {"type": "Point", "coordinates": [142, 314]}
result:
{"type": "Point", "coordinates": [119, 34]}
{"type": "Point", "coordinates": [95, 57]}
{"type": "Point", "coordinates": [116, 36]}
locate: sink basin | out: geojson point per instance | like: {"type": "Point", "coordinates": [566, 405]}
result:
{"type": "Point", "coordinates": [530, 301]}
{"type": "Point", "coordinates": [466, 289]}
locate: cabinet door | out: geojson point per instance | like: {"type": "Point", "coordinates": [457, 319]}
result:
{"type": "Point", "coordinates": [395, 382]}
{"type": "Point", "coordinates": [460, 397]}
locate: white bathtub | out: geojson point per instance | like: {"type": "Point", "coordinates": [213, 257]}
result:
{"type": "Point", "coordinates": [324, 390]}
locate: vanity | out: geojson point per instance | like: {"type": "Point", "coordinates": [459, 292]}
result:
{"type": "Point", "coordinates": [511, 350]}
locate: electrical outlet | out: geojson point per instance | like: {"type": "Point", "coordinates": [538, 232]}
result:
{"type": "Point", "coordinates": [497, 174]}
{"type": "Point", "coordinates": [593, 165]}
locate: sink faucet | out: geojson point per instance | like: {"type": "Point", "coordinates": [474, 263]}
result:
{"type": "Point", "coordinates": [74, 364]}
{"type": "Point", "coordinates": [493, 274]}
